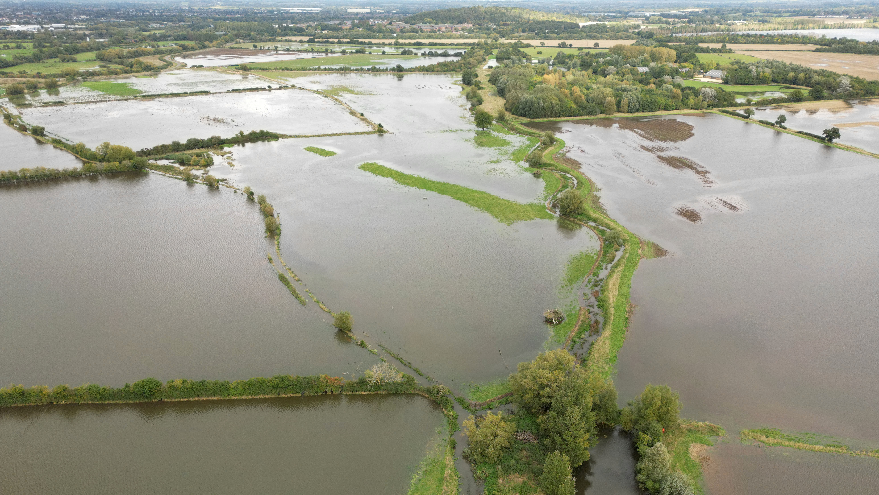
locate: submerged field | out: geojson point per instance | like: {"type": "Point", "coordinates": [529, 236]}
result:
{"type": "Point", "coordinates": [749, 332]}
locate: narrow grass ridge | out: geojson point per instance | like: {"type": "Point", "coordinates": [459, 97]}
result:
{"type": "Point", "coordinates": [503, 210]}
{"type": "Point", "coordinates": [774, 437]}
{"type": "Point", "coordinates": [320, 151]}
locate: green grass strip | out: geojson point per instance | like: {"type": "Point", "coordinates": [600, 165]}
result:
{"type": "Point", "coordinates": [804, 441]}
{"type": "Point", "coordinates": [503, 210]}
{"type": "Point", "coordinates": [483, 391]}
{"type": "Point", "coordinates": [489, 140]}
{"type": "Point", "coordinates": [578, 267]}
{"type": "Point", "coordinates": [320, 151]}
{"type": "Point", "coordinates": [112, 88]}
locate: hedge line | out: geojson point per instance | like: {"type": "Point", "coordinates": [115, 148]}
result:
{"type": "Point", "coordinates": [151, 389]}
{"type": "Point", "coordinates": [88, 168]}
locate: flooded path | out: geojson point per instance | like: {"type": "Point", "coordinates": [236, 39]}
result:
{"type": "Point", "coordinates": [20, 151]}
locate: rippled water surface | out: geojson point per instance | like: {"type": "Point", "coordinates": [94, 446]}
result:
{"type": "Point", "coordinates": [139, 124]}
{"type": "Point", "coordinates": [109, 281]}
{"type": "Point", "coordinates": [765, 312]}
{"type": "Point", "coordinates": [20, 151]}
{"type": "Point", "coordinates": [335, 444]}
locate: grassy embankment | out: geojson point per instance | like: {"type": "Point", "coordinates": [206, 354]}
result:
{"type": "Point", "coordinates": [437, 474]}
{"type": "Point", "coordinates": [804, 441]}
{"type": "Point", "coordinates": [503, 210]}
{"type": "Point", "coordinates": [725, 58]}
{"type": "Point", "coordinates": [112, 88]}
{"type": "Point", "coordinates": [320, 151]}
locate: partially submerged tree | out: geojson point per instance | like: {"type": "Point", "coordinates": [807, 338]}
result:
{"type": "Point", "coordinates": [556, 478]}
{"type": "Point", "coordinates": [570, 203]}
{"type": "Point", "coordinates": [483, 119]}
{"type": "Point", "coordinates": [488, 437]}
{"type": "Point", "coordinates": [831, 134]}
{"type": "Point", "coordinates": [343, 321]}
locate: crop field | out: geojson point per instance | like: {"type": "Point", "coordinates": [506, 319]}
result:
{"type": "Point", "coordinates": [725, 58]}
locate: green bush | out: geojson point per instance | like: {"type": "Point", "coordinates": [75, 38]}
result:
{"type": "Point", "coordinates": [343, 321]}
{"type": "Point", "coordinates": [556, 478]}
{"type": "Point", "coordinates": [488, 438]}
{"type": "Point", "coordinates": [38, 130]}
{"type": "Point", "coordinates": [570, 203]}
{"type": "Point", "coordinates": [273, 227]}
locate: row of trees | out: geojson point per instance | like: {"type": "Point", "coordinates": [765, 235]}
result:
{"type": "Point", "coordinates": [211, 142]}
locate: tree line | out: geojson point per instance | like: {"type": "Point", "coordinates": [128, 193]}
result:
{"type": "Point", "coordinates": [211, 142]}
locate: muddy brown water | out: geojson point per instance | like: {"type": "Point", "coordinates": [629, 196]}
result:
{"type": "Point", "coordinates": [20, 151]}
{"type": "Point", "coordinates": [610, 469]}
{"type": "Point", "coordinates": [113, 280]}
{"type": "Point", "coordinates": [764, 313]}
{"type": "Point", "coordinates": [144, 123]}
{"type": "Point", "coordinates": [450, 288]}
{"type": "Point", "coordinates": [330, 444]}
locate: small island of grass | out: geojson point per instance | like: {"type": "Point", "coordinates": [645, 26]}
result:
{"type": "Point", "coordinates": [320, 151]}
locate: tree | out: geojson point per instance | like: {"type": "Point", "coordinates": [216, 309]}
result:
{"type": "Point", "coordinates": [610, 106]}
{"type": "Point", "coordinates": [343, 321]}
{"type": "Point", "coordinates": [570, 203]}
{"type": "Point", "coordinates": [652, 467]}
{"type": "Point", "coordinates": [817, 93]}
{"type": "Point", "coordinates": [831, 134]}
{"type": "Point", "coordinates": [656, 410]}
{"type": "Point", "coordinates": [468, 77]}
{"type": "Point", "coordinates": [569, 423]}
{"type": "Point", "coordinates": [38, 130]}
{"type": "Point", "coordinates": [535, 159]}
{"type": "Point", "coordinates": [483, 119]}
{"type": "Point", "coordinates": [556, 478]}
{"type": "Point", "coordinates": [488, 437]}
{"type": "Point", "coordinates": [780, 121]}
{"type": "Point", "coordinates": [749, 112]}
{"type": "Point", "coordinates": [535, 383]}
{"type": "Point", "coordinates": [595, 45]}
{"type": "Point", "coordinates": [796, 96]}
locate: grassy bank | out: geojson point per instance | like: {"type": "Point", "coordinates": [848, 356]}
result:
{"type": "Point", "coordinates": [112, 88]}
{"type": "Point", "coordinates": [437, 474]}
{"type": "Point", "coordinates": [804, 441]}
{"type": "Point", "coordinates": [320, 151]}
{"type": "Point", "coordinates": [503, 210]}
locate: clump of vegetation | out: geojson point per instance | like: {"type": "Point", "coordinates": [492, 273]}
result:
{"type": "Point", "coordinates": [553, 316]}
{"type": "Point", "coordinates": [570, 203]}
{"type": "Point", "coordinates": [831, 134]}
{"type": "Point", "coordinates": [273, 227]}
{"type": "Point", "coordinates": [556, 478]}
{"type": "Point", "coordinates": [488, 437]}
{"type": "Point", "coordinates": [383, 373]}
{"type": "Point", "coordinates": [248, 192]}
{"type": "Point", "coordinates": [482, 119]}
{"type": "Point", "coordinates": [320, 151]}
{"type": "Point", "coordinates": [211, 142]}
{"type": "Point", "coordinates": [212, 181]}
{"type": "Point", "coordinates": [15, 89]}
{"type": "Point", "coordinates": [535, 159]}
{"type": "Point", "coordinates": [343, 321]}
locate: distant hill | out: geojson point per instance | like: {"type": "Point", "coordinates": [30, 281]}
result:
{"type": "Point", "coordinates": [480, 16]}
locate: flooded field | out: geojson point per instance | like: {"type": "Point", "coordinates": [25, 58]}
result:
{"type": "Point", "coordinates": [255, 446]}
{"type": "Point", "coordinates": [764, 313]}
{"type": "Point", "coordinates": [113, 280]}
{"type": "Point", "coordinates": [858, 121]}
{"type": "Point", "coordinates": [20, 151]}
{"type": "Point", "coordinates": [221, 57]}
{"type": "Point", "coordinates": [140, 124]}
{"type": "Point", "coordinates": [178, 81]}
{"type": "Point", "coordinates": [450, 288]}
{"type": "Point", "coordinates": [736, 468]}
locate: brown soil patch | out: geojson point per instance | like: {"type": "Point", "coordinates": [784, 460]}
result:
{"type": "Point", "coordinates": [726, 204]}
{"type": "Point", "coordinates": [857, 124]}
{"type": "Point", "coordinates": [226, 51]}
{"type": "Point", "coordinates": [699, 453]}
{"type": "Point", "coordinates": [689, 214]}
{"type": "Point", "coordinates": [662, 130]}
{"type": "Point", "coordinates": [866, 66]}
{"type": "Point", "coordinates": [743, 47]}
{"type": "Point", "coordinates": [681, 163]}
{"type": "Point", "coordinates": [832, 105]}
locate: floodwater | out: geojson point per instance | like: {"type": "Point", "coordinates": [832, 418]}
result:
{"type": "Point", "coordinates": [113, 280]}
{"type": "Point", "coordinates": [329, 444]}
{"type": "Point", "coordinates": [234, 57]}
{"type": "Point", "coordinates": [20, 151]}
{"type": "Point", "coordinates": [764, 313]}
{"type": "Point", "coordinates": [139, 124]}
{"type": "Point", "coordinates": [405, 63]}
{"type": "Point", "coordinates": [450, 288]}
{"type": "Point", "coordinates": [734, 468]}
{"type": "Point", "coordinates": [177, 81]}
{"type": "Point", "coordinates": [860, 34]}
{"type": "Point", "coordinates": [610, 469]}
{"type": "Point", "coordinates": [858, 122]}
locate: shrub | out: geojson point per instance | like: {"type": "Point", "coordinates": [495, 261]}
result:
{"type": "Point", "coordinates": [483, 119]}
{"type": "Point", "coordinates": [248, 192]}
{"type": "Point", "coordinates": [273, 228]}
{"type": "Point", "coordinates": [831, 134]}
{"type": "Point", "coordinates": [50, 84]}
{"type": "Point", "coordinates": [570, 203]}
{"type": "Point", "coordinates": [535, 159]}
{"type": "Point", "coordinates": [212, 181]}
{"type": "Point", "coordinates": [343, 321]}
{"type": "Point", "coordinates": [488, 437]}
{"type": "Point", "coordinates": [15, 89]}
{"type": "Point", "coordinates": [548, 139]}
{"type": "Point", "coordinates": [655, 410]}
{"type": "Point", "coordinates": [38, 130]}
{"type": "Point", "coordinates": [501, 115]}
{"type": "Point", "coordinates": [556, 478]}
{"type": "Point", "coordinates": [32, 85]}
